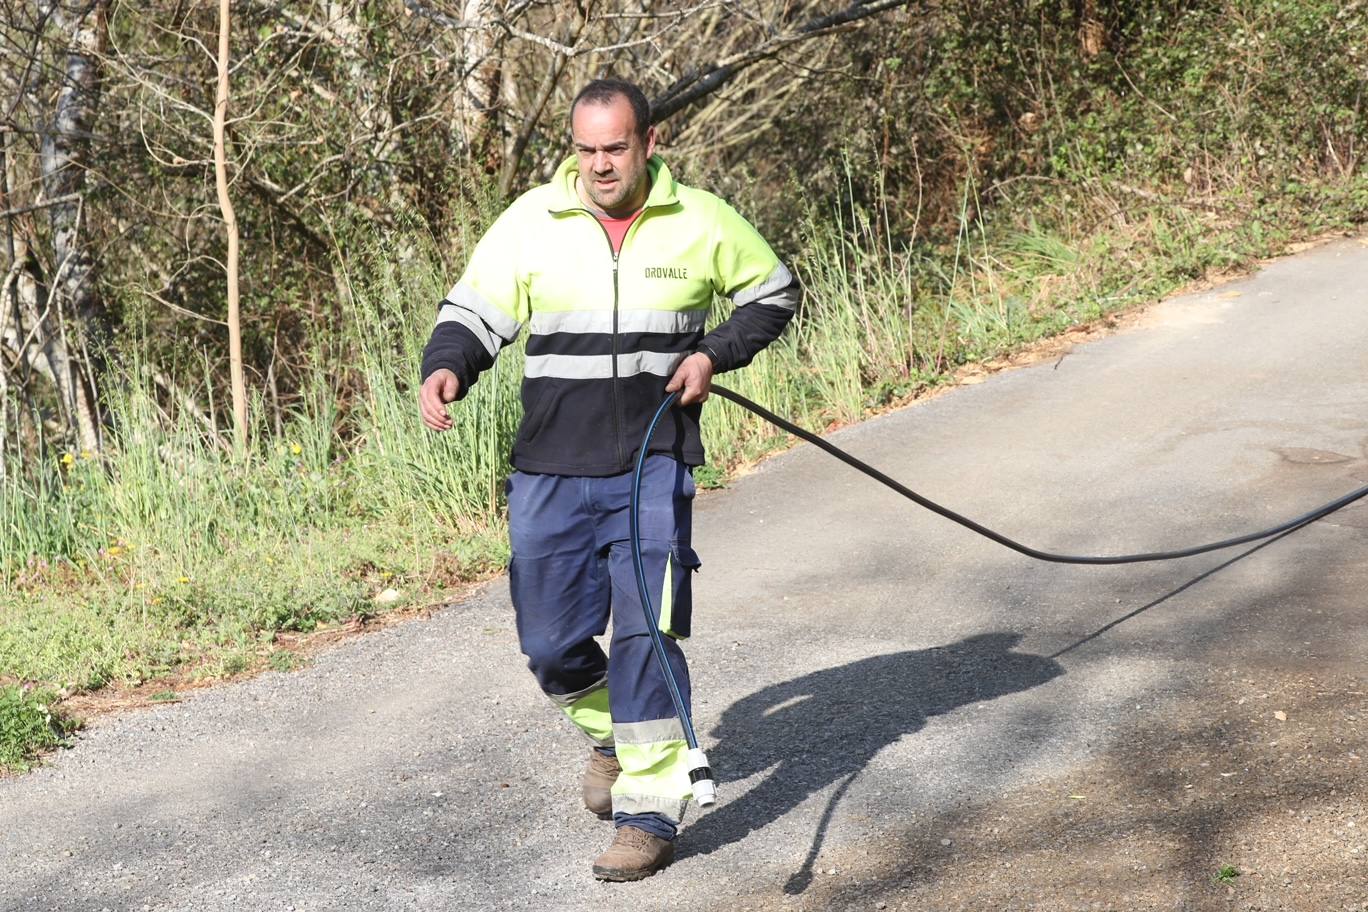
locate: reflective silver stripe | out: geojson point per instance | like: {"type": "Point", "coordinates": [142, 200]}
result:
{"type": "Point", "coordinates": [662, 364]}
{"type": "Point", "coordinates": [450, 313]}
{"type": "Point", "coordinates": [567, 699]}
{"type": "Point", "coordinates": [648, 732]}
{"type": "Point", "coordinates": [671, 808]}
{"type": "Point", "coordinates": [502, 324]}
{"type": "Point", "coordinates": [774, 290]}
{"type": "Point", "coordinates": [600, 367]}
{"type": "Point", "coordinates": [629, 321]}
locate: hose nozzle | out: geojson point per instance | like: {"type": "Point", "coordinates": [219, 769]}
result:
{"type": "Point", "coordinates": [701, 778]}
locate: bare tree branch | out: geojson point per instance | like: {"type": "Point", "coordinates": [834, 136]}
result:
{"type": "Point", "coordinates": [702, 82]}
{"type": "Point", "coordinates": [43, 204]}
{"type": "Point", "coordinates": [534, 113]}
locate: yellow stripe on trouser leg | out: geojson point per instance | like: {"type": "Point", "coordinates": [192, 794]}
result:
{"type": "Point", "coordinates": [655, 769]}
{"type": "Point", "coordinates": [666, 621]}
{"type": "Point", "coordinates": [589, 711]}
{"type": "Point", "coordinates": [667, 599]}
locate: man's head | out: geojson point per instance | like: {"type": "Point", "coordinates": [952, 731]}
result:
{"type": "Point", "coordinates": [610, 125]}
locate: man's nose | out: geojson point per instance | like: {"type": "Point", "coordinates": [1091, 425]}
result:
{"type": "Point", "coordinates": [601, 162]}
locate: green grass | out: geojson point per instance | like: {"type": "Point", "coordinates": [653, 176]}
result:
{"type": "Point", "coordinates": [1225, 875]}
{"type": "Point", "coordinates": [176, 557]}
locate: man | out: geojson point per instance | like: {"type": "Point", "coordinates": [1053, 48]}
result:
{"type": "Point", "coordinates": [612, 267]}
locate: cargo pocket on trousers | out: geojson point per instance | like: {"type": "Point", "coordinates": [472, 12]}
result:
{"type": "Point", "coordinates": [676, 597]}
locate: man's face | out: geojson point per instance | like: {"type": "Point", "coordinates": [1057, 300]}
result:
{"type": "Point", "coordinates": [612, 158]}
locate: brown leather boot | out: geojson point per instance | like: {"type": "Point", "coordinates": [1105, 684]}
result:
{"type": "Point", "coordinates": [599, 775]}
{"type": "Point", "coordinates": [634, 855]}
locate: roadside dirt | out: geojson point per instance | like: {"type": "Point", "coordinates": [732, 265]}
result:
{"type": "Point", "coordinates": [1264, 779]}
{"type": "Point", "coordinates": [93, 707]}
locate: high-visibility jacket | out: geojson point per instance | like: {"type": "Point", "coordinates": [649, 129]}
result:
{"type": "Point", "coordinates": [608, 330]}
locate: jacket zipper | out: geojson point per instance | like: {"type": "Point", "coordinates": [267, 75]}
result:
{"type": "Point", "coordinates": [617, 418]}
{"type": "Point", "coordinates": [617, 406]}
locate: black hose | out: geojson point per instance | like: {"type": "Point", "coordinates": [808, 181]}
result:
{"type": "Point", "coordinates": [951, 515]}
{"type": "Point", "coordinates": [701, 771]}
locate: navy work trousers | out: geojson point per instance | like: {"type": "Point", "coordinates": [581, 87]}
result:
{"type": "Point", "coordinates": [572, 571]}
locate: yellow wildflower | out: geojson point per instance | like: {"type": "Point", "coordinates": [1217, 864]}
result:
{"type": "Point", "coordinates": [114, 551]}
{"type": "Point", "coordinates": [68, 459]}
{"type": "Point", "coordinates": [296, 449]}
{"type": "Point", "coordinates": [183, 580]}
{"type": "Point", "coordinates": [87, 455]}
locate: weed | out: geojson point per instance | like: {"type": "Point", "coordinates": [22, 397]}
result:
{"type": "Point", "coordinates": [283, 660]}
{"type": "Point", "coordinates": [709, 477]}
{"type": "Point", "coordinates": [1225, 875]}
{"type": "Point", "coordinates": [28, 725]}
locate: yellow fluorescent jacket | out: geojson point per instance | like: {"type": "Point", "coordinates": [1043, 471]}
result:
{"type": "Point", "coordinates": [606, 332]}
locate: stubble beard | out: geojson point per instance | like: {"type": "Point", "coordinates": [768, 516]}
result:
{"type": "Point", "coordinates": [618, 198]}
{"type": "Point", "coordinates": [607, 203]}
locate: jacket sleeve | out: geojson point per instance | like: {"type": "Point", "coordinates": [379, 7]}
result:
{"type": "Point", "coordinates": [765, 293]}
{"type": "Point", "coordinates": [484, 311]}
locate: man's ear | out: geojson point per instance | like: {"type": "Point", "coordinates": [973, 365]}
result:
{"type": "Point", "coordinates": [650, 141]}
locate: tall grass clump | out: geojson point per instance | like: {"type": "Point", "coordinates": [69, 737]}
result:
{"type": "Point", "coordinates": [858, 328]}
{"type": "Point", "coordinates": [455, 477]}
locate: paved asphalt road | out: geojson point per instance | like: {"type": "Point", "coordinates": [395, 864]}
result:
{"type": "Point", "coordinates": [865, 669]}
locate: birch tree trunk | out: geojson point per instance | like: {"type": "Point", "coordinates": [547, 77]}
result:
{"type": "Point", "coordinates": [239, 386]}
{"type": "Point", "coordinates": [480, 90]}
{"type": "Point", "coordinates": [64, 158]}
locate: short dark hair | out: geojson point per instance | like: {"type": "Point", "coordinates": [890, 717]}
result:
{"type": "Point", "coordinates": [605, 91]}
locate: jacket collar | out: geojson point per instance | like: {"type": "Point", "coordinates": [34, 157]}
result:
{"type": "Point", "coordinates": [664, 190]}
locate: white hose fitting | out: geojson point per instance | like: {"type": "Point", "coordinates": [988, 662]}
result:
{"type": "Point", "coordinates": [701, 778]}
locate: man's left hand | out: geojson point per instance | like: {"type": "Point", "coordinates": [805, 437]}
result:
{"type": "Point", "coordinates": [694, 377]}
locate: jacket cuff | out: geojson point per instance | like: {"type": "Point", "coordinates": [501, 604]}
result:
{"type": "Point", "coordinates": [453, 348]}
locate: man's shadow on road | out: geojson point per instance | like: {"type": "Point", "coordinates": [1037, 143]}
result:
{"type": "Point", "coordinates": [828, 725]}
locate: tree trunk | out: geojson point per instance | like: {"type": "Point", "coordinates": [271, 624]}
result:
{"type": "Point", "coordinates": [31, 329]}
{"type": "Point", "coordinates": [64, 156]}
{"type": "Point", "coordinates": [517, 143]}
{"type": "Point", "coordinates": [239, 385]}
{"type": "Point", "coordinates": [478, 104]}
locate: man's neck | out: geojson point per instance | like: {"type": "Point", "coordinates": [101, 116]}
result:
{"type": "Point", "coordinates": [617, 212]}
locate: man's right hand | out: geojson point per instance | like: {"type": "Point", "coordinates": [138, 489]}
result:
{"type": "Point", "coordinates": [438, 389]}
